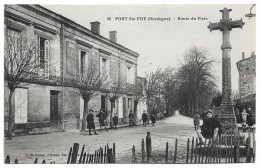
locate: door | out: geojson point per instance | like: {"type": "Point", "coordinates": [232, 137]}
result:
{"type": "Point", "coordinates": [54, 109]}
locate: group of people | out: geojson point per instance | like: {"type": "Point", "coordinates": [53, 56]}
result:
{"type": "Point", "coordinates": [144, 118]}
{"type": "Point", "coordinates": [102, 120]}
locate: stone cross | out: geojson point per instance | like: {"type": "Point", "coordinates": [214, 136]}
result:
{"type": "Point", "coordinates": [225, 25]}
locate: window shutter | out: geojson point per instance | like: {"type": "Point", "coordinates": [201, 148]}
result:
{"type": "Point", "coordinates": [47, 55]}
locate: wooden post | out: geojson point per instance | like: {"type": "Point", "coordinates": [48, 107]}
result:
{"type": "Point", "coordinates": [69, 157]}
{"type": "Point", "coordinates": [196, 150]}
{"type": "Point", "coordinates": [110, 155]}
{"type": "Point", "coordinates": [114, 152]}
{"type": "Point", "coordinates": [175, 151]}
{"type": "Point", "coordinates": [105, 155]}
{"type": "Point", "coordinates": [101, 154]}
{"type": "Point", "coordinates": [7, 160]}
{"type": "Point", "coordinates": [188, 146]}
{"type": "Point", "coordinates": [36, 161]}
{"type": "Point", "coordinates": [207, 152]}
{"type": "Point", "coordinates": [226, 148]}
{"type": "Point", "coordinates": [84, 158]}
{"type": "Point", "coordinates": [81, 155]}
{"type": "Point", "coordinates": [254, 145]}
{"type": "Point", "coordinates": [203, 151]}
{"type": "Point", "coordinates": [74, 153]}
{"type": "Point", "coordinates": [95, 157]}
{"type": "Point", "coordinates": [148, 146]}
{"type": "Point", "coordinates": [87, 160]}
{"type": "Point", "coordinates": [16, 161]}
{"type": "Point", "coordinates": [143, 151]}
{"type": "Point", "coordinates": [199, 151]}
{"type": "Point", "coordinates": [166, 155]}
{"type": "Point", "coordinates": [133, 154]}
{"type": "Point", "coordinates": [192, 149]}
{"type": "Point", "coordinates": [248, 155]}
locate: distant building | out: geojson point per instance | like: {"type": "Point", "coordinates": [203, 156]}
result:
{"type": "Point", "coordinates": [247, 77]}
{"type": "Point", "coordinates": [66, 48]}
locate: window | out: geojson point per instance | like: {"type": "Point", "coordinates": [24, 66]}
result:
{"type": "Point", "coordinates": [128, 75]}
{"type": "Point", "coordinates": [82, 61]}
{"type": "Point", "coordinates": [129, 101]}
{"type": "Point", "coordinates": [44, 54]}
{"type": "Point", "coordinates": [104, 67]}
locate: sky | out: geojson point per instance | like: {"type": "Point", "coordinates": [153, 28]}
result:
{"type": "Point", "coordinates": [163, 43]}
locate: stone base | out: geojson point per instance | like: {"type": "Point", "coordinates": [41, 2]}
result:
{"type": "Point", "coordinates": [227, 118]}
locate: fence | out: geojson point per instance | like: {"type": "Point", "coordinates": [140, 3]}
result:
{"type": "Point", "coordinates": [101, 155]}
{"type": "Point", "coordinates": [227, 149]}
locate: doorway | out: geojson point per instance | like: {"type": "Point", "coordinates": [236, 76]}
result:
{"type": "Point", "coordinates": [54, 109]}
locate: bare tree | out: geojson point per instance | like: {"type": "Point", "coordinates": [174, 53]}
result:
{"type": "Point", "coordinates": [194, 73]}
{"type": "Point", "coordinates": [170, 85]}
{"type": "Point", "coordinates": [89, 84]}
{"type": "Point", "coordinates": [20, 63]}
{"type": "Point", "coordinates": [152, 86]}
{"type": "Point", "coordinates": [114, 93]}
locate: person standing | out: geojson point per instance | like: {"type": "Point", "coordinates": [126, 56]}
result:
{"type": "Point", "coordinates": [101, 118]}
{"type": "Point", "coordinates": [153, 118]}
{"type": "Point", "coordinates": [131, 119]}
{"type": "Point", "coordinates": [90, 122]}
{"type": "Point", "coordinates": [144, 118]}
{"type": "Point", "coordinates": [210, 129]}
{"type": "Point", "coordinates": [196, 120]}
{"type": "Point", "coordinates": [244, 119]}
{"type": "Point", "coordinates": [250, 119]}
{"type": "Point", "coordinates": [115, 120]}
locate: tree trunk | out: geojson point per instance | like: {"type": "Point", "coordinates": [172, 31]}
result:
{"type": "Point", "coordinates": [10, 118]}
{"type": "Point", "coordinates": [112, 101]}
{"type": "Point", "coordinates": [85, 112]}
{"type": "Point", "coordinates": [135, 109]}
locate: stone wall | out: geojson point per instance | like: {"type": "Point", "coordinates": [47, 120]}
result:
{"type": "Point", "coordinates": [247, 76]}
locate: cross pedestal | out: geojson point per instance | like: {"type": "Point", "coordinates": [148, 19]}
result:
{"type": "Point", "coordinates": [226, 110]}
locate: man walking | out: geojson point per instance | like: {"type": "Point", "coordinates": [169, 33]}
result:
{"type": "Point", "coordinates": [90, 121]}
{"type": "Point", "coordinates": [101, 118]}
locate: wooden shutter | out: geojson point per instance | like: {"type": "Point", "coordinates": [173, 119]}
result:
{"type": "Point", "coordinates": [47, 57]}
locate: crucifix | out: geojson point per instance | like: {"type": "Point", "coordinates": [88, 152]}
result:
{"type": "Point", "coordinates": [225, 25]}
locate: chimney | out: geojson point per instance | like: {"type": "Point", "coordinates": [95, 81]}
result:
{"type": "Point", "coordinates": [243, 55]}
{"type": "Point", "coordinates": [95, 27]}
{"type": "Point", "coordinates": [113, 36]}
{"type": "Point", "coordinates": [252, 54]}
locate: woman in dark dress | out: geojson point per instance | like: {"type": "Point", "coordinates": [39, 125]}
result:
{"type": "Point", "coordinates": [90, 121]}
{"type": "Point", "coordinates": [115, 120]}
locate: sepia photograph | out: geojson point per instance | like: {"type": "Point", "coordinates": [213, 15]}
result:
{"type": "Point", "coordinates": [129, 83]}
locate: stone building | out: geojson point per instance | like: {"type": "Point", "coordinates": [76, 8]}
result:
{"type": "Point", "coordinates": [247, 75]}
{"type": "Point", "coordinates": [66, 48]}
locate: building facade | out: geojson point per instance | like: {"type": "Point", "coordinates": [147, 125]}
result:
{"type": "Point", "coordinates": [65, 49]}
{"type": "Point", "coordinates": [247, 75]}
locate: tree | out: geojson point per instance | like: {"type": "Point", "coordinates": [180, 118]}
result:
{"type": "Point", "coordinates": [20, 64]}
{"type": "Point", "coordinates": [195, 73]}
{"type": "Point", "coordinates": [170, 85]}
{"type": "Point", "coordinates": [89, 83]}
{"type": "Point", "coordinates": [114, 93]}
{"type": "Point", "coordinates": [137, 92]}
{"type": "Point", "coordinates": [152, 87]}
